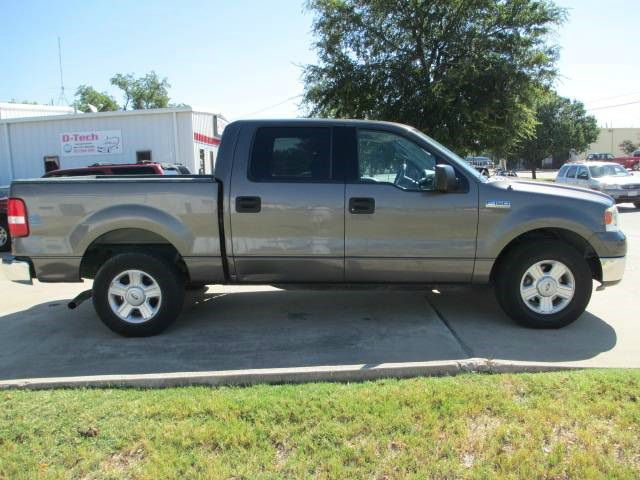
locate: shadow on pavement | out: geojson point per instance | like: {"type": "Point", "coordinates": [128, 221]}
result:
{"type": "Point", "coordinates": [273, 329]}
{"type": "Point", "coordinates": [475, 316]}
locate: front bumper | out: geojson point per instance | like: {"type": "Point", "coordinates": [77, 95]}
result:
{"type": "Point", "coordinates": [622, 196]}
{"type": "Point", "coordinates": [612, 269]}
{"type": "Point", "coordinates": [16, 270]}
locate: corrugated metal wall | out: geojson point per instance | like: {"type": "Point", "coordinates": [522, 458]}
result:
{"type": "Point", "coordinates": [30, 141]}
{"type": "Point", "coordinates": [205, 144]}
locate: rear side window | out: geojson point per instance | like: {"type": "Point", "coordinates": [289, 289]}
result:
{"type": "Point", "coordinates": [563, 170]}
{"type": "Point", "coordinates": [571, 173]}
{"type": "Point", "coordinates": [291, 154]}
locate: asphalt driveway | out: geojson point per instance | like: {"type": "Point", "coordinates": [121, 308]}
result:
{"type": "Point", "coordinates": [238, 328]}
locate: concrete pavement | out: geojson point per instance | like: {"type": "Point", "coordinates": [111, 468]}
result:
{"type": "Point", "coordinates": [256, 334]}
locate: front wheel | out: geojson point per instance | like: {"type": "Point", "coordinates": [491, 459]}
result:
{"type": "Point", "coordinates": [138, 295]}
{"type": "Point", "coordinates": [546, 284]}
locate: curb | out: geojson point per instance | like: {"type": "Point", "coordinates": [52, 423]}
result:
{"type": "Point", "coordinates": [336, 373]}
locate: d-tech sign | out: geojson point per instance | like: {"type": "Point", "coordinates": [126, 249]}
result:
{"type": "Point", "coordinates": [105, 142]}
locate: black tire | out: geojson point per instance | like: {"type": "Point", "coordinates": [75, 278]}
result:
{"type": "Point", "coordinates": [513, 268]}
{"type": "Point", "coordinates": [167, 277]}
{"type": "Point", "coordinates": [636, 204]}
{"type": "Point", "coordinates": [5, 239]}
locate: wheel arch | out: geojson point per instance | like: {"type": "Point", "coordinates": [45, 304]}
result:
{"type": "Point", "coordinates": [566, 236]}
{"type": "Point", "coordinates": [129, 240]}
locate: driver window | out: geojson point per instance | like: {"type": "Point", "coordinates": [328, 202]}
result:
{"type": "Point", "coordinates": [384, 157]}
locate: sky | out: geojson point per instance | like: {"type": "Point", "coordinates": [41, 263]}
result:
{"type": "Point", "coordinates": [243, 58]}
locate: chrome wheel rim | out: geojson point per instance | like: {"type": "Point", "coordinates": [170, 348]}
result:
{"type": "Point", "coordinates": [547, 287]}
{"type": "Point", "coordinates": [134, 296]}
{"type": "Point", "coordinates": [4, 236]}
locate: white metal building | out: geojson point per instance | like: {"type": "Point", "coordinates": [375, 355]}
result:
{"type": "Point", "coordinates": [20, 110]}
{"type": "Point", "coordinates": [30, 146]}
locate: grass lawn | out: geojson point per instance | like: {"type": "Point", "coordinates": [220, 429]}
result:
{"type": "Point", "coordinates": [556, 425]}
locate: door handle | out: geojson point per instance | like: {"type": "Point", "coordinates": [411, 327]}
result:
{"type": "Point", "coordinates": [362, 205]}
{"type": "Point", "coordinates": [248, 204]}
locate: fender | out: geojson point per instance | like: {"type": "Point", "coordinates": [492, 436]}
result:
{"type": "Point", "coordinates": [142, 217]}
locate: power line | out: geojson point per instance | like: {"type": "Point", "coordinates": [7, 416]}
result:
{"type": "Point", "coordinates": [610, 98]}
{"type": "Point", "coordinates": [272, 106]}
{"type": "Point", "coordinates": [614, 106]}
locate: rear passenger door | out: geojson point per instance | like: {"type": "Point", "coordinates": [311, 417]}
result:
{"type": "Point", "coordinates": [287, 206]}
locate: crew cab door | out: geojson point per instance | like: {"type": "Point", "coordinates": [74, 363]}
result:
{"type": "Point", "coordinates": [286, 206]}
{"type": "Point", "coordinates": [398, 228]}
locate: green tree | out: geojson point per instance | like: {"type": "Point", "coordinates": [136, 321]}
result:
{"type": "Point", "coordinates": [628, 147]}
{"type": "Point", "coordinates": [87, 95]}
{"type": "Point", "coordinates": [145, 92]}
{"type": "Point", "coordinates": [463, 71]}
{"type": "Point", "coordinates": [562, 125]}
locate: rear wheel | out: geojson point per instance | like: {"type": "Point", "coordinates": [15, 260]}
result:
{"type": "Point", "coordinates": [636, 166]}
{"type": "Point", "coordinates": [138, 295]}
{"type": "Point", "coordinates": [544, 285]}
{"type": "Point", "coordinates": [5, 239]}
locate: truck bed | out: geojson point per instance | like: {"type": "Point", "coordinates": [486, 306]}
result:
{"type": "Point", "coordinates": [69, 215]}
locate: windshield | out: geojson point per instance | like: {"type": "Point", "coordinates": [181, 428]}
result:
{"type": "Point", "coordinates": [608, 171]}
{"type": "Point", "coordinates": [460, 161]}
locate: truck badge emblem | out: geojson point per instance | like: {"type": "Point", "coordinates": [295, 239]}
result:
{"type": "Point", "coordinates": [498, 204]}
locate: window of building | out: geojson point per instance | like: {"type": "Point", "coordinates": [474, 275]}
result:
{"type": "Point", "coordinates": [291, 154]}
{"type": "Point", "coordinates": [51, 162]}
{"type": "Point", "coordinates": [143, 156]}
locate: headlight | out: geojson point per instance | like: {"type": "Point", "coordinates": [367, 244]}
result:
{"type": "Point", "coordinates": [611, 219]}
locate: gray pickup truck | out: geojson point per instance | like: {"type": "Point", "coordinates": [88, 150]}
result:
{"type": "Point", "coordinates": [316, 202]}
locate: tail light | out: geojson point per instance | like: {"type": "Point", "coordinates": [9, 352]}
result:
{"type": "Point", "coordinates": [17, 218]}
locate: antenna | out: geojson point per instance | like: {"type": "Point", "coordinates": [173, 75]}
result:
{"type": "Point", "coordinates": [62, 99]}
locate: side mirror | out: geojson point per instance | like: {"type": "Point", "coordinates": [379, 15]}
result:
{"type": "Point", "coordinates": [583, 176]}
{"type": "Point", "coordinates": [445, 178]}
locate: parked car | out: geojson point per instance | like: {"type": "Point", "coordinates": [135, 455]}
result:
{"type": "Point", "coordinates": [480, 162]}
{"type": "Point", "coordinates": [608, 177]}
{"type": "Point", "coordinates": [595, 157]}
{"type": "Point", "coordinates": [5, 239]}
{"type": "Point", "coordinates": [501, 172]}
{"type": "Point", "coordinates": [122, 169]}
{"type": "Point", "coordinates": [316, 202]}
{"type": "Point", "coordinates": [632, 162]}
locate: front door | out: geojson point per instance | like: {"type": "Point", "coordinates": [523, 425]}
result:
{"type": "Point", "coordinates": [397, 227]}
{"type": "Point", "coordinates": [287, 207]}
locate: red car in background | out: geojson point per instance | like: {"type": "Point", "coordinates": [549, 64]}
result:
{"type": "Point", "coordinates": [632, 162]}
{"type": "Point", "coordinates": [150, 168]}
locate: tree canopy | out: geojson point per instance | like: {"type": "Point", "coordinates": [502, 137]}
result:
{"type": "Point", "coordinates": [145, 92]}
{"type": "Point", "coordinates": [466, 72]}
{"type": "Point", "coordinates": [628, 147]}
{"type": "Point", "coordinates": [561, 125]}
{"type": "Point", "coordinates": [87, 95]}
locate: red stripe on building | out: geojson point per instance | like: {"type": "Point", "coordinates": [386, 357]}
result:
{"type": "Point", "coordinates": [202, 138]}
